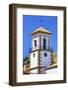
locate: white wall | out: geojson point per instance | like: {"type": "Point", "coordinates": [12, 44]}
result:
{"type": "Point", "coordinates": [33, 46]}
{"type": "Point", "coordinates": [34, 61]}
{"type": "Point", "coordinates": [37, 38]}
{"type": "Point", "coordinates": [45, 61]}
{"type": "Point", "coordinates": [4, 47]}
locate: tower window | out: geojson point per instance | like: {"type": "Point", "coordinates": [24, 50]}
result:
{"type": "Point", "coordinates": [44, 43]}
{"type": "Point", "coordinates": [33, 55]}
{"type": "Point", "coordinates": [35, 43]}
{"type": "Point", "coordinates": [45, 54]}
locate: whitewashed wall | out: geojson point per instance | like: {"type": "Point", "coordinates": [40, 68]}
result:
{"type": "Point", "coordinates": [35, 38]}
{"type": "Point", "coordinates": [34, 61]}
{"type": "Point", "coordinates": [45, 61]}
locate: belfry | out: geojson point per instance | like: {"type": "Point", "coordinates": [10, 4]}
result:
{"type": "Point", "coordinates": [41, 55]}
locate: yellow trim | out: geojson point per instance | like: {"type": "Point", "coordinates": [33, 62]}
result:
{"type": "Point", "coordinates": [43, 32]}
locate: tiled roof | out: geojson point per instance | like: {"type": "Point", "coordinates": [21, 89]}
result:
{"type": "Point", "coordinates": [41, 30]}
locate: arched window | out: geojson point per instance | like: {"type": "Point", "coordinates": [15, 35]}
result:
{"type": "Point", "coordinates": [44, 43]}
{"type": "Point", "coordinates": [35, 43]}
{"type": "Point", "coordinates": [33, 54]}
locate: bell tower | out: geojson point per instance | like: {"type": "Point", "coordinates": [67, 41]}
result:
{"type": "Point", "coordinates": [40, 56]}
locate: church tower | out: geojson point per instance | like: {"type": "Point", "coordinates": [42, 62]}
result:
{"type": "Point", "coordinates": [40, 56]}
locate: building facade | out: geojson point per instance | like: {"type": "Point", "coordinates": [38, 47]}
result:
{"type": "Point", "coordinates": [41, 55]}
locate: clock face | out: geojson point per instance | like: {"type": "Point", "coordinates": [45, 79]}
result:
{"type": "Point", "coordinates": [45, 58]}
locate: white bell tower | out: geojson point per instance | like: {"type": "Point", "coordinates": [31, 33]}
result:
{"type": "Point", "coordinates": [40, 56]}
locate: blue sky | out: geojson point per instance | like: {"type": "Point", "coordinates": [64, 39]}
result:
{"type": "Point", "coordinates": [32, 22]}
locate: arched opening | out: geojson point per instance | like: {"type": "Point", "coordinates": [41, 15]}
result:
{"type": "Point", "coordinates": [44, 43]}
{"type": "Point", "coordinates": [35, 43]}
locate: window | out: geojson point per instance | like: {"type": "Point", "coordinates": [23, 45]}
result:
{"type": "Point", "coordinates": [45, 54]}
{"type": "Point", "coordinates": [35, 43]}
{"type": "Point", "coordinates": [33, 55]}
{"type": "Point", "coordinates": [44, 43]}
